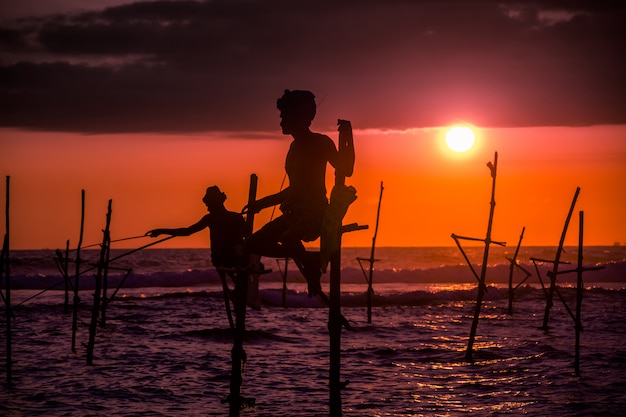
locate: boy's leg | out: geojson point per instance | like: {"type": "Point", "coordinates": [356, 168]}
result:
{"type": "Point", "coordinates": [266, 241]}
{"type": "Point", "coordinates": [282, 238]}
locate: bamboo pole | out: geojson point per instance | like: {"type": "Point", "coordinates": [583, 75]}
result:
{"type": "Point", "coordinates": [370, 289]}
{"type": "Point", "coordinates": [346, 152]}
{"type": "Point", "coordinates": [481, 287]}
{"type": "Point", "coordinates": [225, 290]}
{"type": "Point", "coordinates": [105, 281]}
{"type": "Point", "coordinates": [579, 292]}
{"type": "Point", "coordinates": [555, 269]}
{"type": "Point", "coordinates": [7, 278]}
{"type": "Point", "coordinates": [4, 300]}
{"type": "Point", "coordinates": [283, 274]}
{"type": "Point", "coordinates": [66, 277]}
{"type": "Point", "coordinates": [238, 354]}
{"type": "Point", "coordinates": [576, 317]}
{"type": "Point", "coordinates": [511, 270]}
{"type": "Point", "coordinates": [97, 294]}
{"type": "Point", "coordinates": [76, 278]}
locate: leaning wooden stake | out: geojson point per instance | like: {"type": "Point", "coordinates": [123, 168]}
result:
{"type": "Point", "coordinates": [511, 270]}
{"type": "Point", "coordinates": [97, 294]}
{"type": "Point", "coordinates": [76, 277]}
{"type": "Point", "coordinates": [283, 273]}
{"type": "Point", "coordinates": [66, 277]}
{"type": "Point", "coordinates": [370, 277]}
{"type": "Point", "coordinates": [226, 291]}
{"type": "Point", "coordinates": [105, 282]}
{"type": "Point", "coordinates": [7, 272]}
{"type": "Point", "coordinates": [481, 285]}
{"type": "Point", "coordinates": [238, 354]}
{"type": "Point", "coordinates": [553, 274]}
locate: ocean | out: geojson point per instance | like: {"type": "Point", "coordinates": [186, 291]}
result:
{"type": "Point", "coordinates": [165, 349]}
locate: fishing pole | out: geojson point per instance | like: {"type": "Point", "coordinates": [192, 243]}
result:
{"type": "Point", "coordinates": [39, 293]}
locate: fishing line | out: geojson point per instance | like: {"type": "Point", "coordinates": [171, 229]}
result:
{"type": "Point", "coordinates": [113, 241]}
{"type": "Point", "coordinates": [281, 188]}
{"type": "Point", "coordinates": [38, 294]}
{"type": "Point", "coordinates": [94, 267]}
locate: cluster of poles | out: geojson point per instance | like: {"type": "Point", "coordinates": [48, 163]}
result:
{"type": "Point", "coordinates": [552, 274]}
{"type": "Point", "coordinates": [336, 321]}
{"type": "Point", "coordinates": [101, 299]}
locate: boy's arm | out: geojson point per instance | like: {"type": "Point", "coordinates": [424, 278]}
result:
{"type": "Point", "coordinates": [180, 231]}
{"type": "Point", "coordinates": [342, 159]}
{"type": "Point", "coordinates": [268, 201]}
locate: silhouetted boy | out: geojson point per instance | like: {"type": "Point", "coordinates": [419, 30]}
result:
{"type": "Point", "coordinates": [304, 201]}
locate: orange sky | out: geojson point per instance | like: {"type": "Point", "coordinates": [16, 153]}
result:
{"type": "Point", "coordinates": [158, 181]}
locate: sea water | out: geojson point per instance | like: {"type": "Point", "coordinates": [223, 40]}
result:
{"type": "Point", "coordinates": [165, 349]}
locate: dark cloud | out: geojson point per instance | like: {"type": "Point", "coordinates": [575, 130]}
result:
{"type": "Point", "coordinates": [219, 65]}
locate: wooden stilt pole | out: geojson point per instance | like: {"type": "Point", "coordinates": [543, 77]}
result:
{"type": "Point", "coordinates": [284, 276]}
{"type": "Point", "coordinates": [370, 289]}
{"type": "Point", "coordinates": [576, 317]}
{"type": "Point", "coordinates": [226, 290]}
{"type": "Point", "coordinates": [346, 152]}
{"type": "Point", "coordinates": [481, 285]}
{"type": "Point", "coordinates": [553, 274]}
{"type": "Point", "coordinates": [97, 294]}
{"type": "Point", "coordinates": [7, 280]}
{"type": "Point", "coordinates": [66, 277]}
{"type": "Point", "coordinates": [579, 292]}
{"type": "Point", "coordinates": [77, 276]}
{"type": "Point", "coordinates": [334, 327]}
{"type": "Point", "coordinates": [511, 270]}
{"type": "Point", "coordinates": [238, 354]}
{"type": "Point", "coordinates": [105, 281]}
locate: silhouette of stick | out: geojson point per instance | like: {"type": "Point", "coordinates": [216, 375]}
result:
{"type": "Point", "coordinates": [525, 271]}
{"type": "Point", "coordinates": [128, 271]}
{"type": "Point", "coordinates": [335, 318]}
{"type": "Point", "coordinates": [66, 277]}
{"type": "Point", "coordinates": [225, 290]}
{"type": "Point", "coordinates": [97, 294]}
{"type": "Point", "coordinates": [557, 258]}
{"type": "Point", "coordinates": [576, 317]}
{"type": "Point", "coordinates": [105, 283]}
{"type": "Point", "coordinates": [511, 270]}
{"type": "Point", "coordinates": [371, 260]}
{"type": "Point", "coordinates": [481, 287]}
{"type": "Point", "coordinates": [238, 354]}
{"type": "Point", "coordinates": [534, 261]}
{"type": "Point", "coordinates": [283, 273]}
{"type": "Point", "coordinates": [76, 277]}
{"type": "Point", "coordinates": [2, 260]}
{"type": "Point", "coordinates": [579, 292]}
{"type": "Point", "coordinates": [7, 272]}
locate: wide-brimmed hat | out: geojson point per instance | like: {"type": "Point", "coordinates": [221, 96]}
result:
{"type": "Point", "coordinates": [213, 193]}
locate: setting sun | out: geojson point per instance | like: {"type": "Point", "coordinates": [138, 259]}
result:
{"type": "Point", "coordinates": [460, 139]}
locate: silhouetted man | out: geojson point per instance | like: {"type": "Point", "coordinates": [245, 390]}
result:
{"type": "Point", "coordinates": [227, 230]}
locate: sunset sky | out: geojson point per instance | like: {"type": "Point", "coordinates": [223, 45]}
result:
{"type": "Point", "coordinates": [148, 103]}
